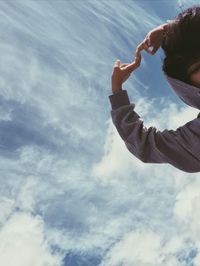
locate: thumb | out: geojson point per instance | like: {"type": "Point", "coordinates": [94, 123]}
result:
{"type": "Point", "coordinates": [155, 49]}
{"type": "Point", "coordinates": [117, 63]}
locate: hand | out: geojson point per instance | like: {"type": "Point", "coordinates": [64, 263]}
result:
{"type": "Point", "coordinates": [153, 39]}
{"type": "Point", "coordinates": [121, 73]}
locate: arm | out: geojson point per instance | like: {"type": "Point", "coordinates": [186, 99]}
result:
{"type": "Point", "coordinates": [150, 145]}
{"type": "Point", "coordinates": [178, 148]}
{"type": "Point", "coordinates": [139, 140]}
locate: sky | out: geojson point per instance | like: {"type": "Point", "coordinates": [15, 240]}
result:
{"type": "Point", "coordinates": [71, 194]}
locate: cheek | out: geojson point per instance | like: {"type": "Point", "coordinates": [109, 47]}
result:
{"type": "Point", "coordinates": [195, 79]}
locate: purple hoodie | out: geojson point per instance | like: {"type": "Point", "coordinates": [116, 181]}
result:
{"type": "Point", "coordinates": [179, 147]}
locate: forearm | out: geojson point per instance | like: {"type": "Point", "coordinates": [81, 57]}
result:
{"type": "Point", "coordinates": [149, 144]}
{"type": "Point", "coordinates": [139, 140]}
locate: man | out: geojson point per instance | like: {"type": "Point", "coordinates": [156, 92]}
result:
{"type": "Point", "coordinates": [180, 40]}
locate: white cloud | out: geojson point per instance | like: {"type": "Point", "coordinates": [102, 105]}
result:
{"type": "Point", "coordinates": [22, 243]}
{"type": "Point", "coordinates": [116, 163]}
{"type": "Point", "coordinates": [136, 247]}
{"type": "Point", "coordinates": [143, 248]}
{"type": "Point", "coordinates": [186, 209]}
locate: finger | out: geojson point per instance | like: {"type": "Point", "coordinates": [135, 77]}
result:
{"type": "Point", "coordinates": [139, 48]}
{"type": "Point", "coordinates": [155, 49]}
{"type": "Point", "coordinates": [149, 42]}
{"type": "Point", "coordinates": [123, 65]}
{"type": "Point", "coordinates": [135, 64]}
{"type": "Point", "coordinates": [117, 63]}
{"type": "Point", "coordinates": [146, 48]}
{"type": "Point", "coordinates": [149, 50]}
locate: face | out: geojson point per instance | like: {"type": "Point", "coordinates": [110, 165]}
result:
{"type": "Point", "coordinates": [194, 73]}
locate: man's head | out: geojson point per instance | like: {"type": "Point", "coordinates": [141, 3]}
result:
{"type": "Point", "coordinates": [181, 46]}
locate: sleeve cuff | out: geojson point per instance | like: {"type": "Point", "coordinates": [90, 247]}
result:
{"type": "Point", "coordinates": [119, 99]}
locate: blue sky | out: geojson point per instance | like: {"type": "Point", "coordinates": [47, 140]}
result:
{"type": "Point", "coordinates": [71, 193]}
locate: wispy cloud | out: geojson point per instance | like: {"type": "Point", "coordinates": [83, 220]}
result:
{"type": "Point", "coordinates": [70, 191]}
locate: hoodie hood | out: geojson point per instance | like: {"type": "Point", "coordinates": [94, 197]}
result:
{"type": "Point", "coordinates": [189, 94]}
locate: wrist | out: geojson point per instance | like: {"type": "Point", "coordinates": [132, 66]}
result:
{"type": "Point", "coordinates": [116, 89]}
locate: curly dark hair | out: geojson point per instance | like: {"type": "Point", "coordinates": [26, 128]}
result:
{"type": "Point", "coordinates": [181, 44]}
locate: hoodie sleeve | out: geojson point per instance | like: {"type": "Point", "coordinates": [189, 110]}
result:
{"type": "Point", "coordinates": [149, 144]}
